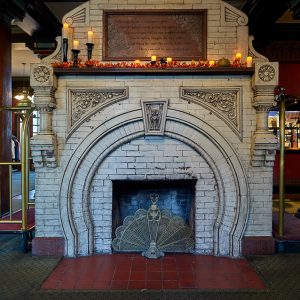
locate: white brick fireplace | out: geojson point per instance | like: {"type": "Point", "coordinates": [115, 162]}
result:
{"type": "Point", "coordinates": [95, 129]}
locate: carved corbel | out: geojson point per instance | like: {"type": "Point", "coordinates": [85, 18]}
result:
{"type": "Point", "coordinates": [264, 142]}
{"type": "Point", "coordinates": [43, 145]}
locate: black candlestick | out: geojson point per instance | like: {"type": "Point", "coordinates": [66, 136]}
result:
{"type": "Point", "coordinates": [75, 57]}
{"type": "Point", "coordinates": [89, 50]}
{"type": "Point", "coordinates": [65, 50]}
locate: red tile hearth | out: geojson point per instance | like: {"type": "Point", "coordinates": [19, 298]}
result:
{"type": "Point", "coordinates": [134, 272]}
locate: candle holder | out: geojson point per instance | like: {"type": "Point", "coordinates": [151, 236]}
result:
{"type": "Point", "coordinates": [163, 62]}
{"type": "Point", "coordinates": [65, 49]}
{"type": "Point", "coordinates": [75, 57]}
{"type": "Point", "coordinates": [89, 50]}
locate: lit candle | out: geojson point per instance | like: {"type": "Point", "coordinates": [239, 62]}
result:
{"type": "Point", "coordinates": [90, 37]}
{"type": "Point", "coordinates": [75, 44]}
{"type": "Point", "coordinates": [249, 61]}
{"type": "Point", "coordinates": [169, 60]}
{"type": "Point", "coordinates": [238, 56]}
{"type": "Point", "coordinates": [137, 61]}
{"type": "Point", "coordinates": [153, 58]}
{"type": "Point", "coordinates": [65, 31]}
{"type": "Point", "coordinates": [211, 63]}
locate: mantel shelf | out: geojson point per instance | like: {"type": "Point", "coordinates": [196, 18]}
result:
{"type": "Point", "coordinates": [154, 71]}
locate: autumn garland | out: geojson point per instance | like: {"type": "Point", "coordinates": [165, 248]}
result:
{"type": "Point", "coordinates": [132, 65]}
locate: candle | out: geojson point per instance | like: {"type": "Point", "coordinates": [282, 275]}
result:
{"type": "Point", "coordinates": [238, 56]}
{"type": "Point", "coordinates": [211, 63]}
{"type": "Point", "coordinates": [137, 61]}
{"type": "Point", "coordinates": [153, 58]}
{"type": "Point", "coordinates": [169, 60]}
{"type": "Point", "coordinates": [249, 61]}
{"type": "Point", "coordinates": [65, 31]}
{"type": "Point", "coordinates": [90, 37]}
{"type": "Point", "coordinates": [75, 44]}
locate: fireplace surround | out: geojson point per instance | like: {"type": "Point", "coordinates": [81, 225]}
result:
{"type": "Point", "coordinates": [103, 127]}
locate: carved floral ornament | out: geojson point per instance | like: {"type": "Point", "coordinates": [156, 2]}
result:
{"type": "Point", "coordinates": [83, 103]}
{"type": "Point", "coordinates": [41, 74]}
{"type": "Point", "coordinates": [266, 73]}
{"type": "Point", "coordinates": [225, 103]}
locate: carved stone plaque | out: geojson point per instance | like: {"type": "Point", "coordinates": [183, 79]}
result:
{"type": "Point", "coordinates": [180, 34]}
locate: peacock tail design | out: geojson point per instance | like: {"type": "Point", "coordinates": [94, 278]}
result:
{"type": "Point", "coordinates": [153, 232]}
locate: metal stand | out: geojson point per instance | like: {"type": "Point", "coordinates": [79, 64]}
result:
{"type": "Point", "coordinates": [75, 57]}
{"type": "Point", "coordinates": [65, 49]}
{"type": "Point", "coordinates": [89, 50]}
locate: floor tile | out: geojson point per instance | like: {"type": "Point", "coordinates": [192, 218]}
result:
{"type": "Point", "coordinates": [132, 271]}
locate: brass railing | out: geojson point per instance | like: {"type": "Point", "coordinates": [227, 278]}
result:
{"type": "Point", "coordinates": [24, 109]}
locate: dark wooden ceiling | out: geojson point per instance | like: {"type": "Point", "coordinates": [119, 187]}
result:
{"type": "Point", "coordinates": [278, 40]}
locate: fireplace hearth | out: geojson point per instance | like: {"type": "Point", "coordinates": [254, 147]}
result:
{"type": "Point", "coordinates": [198, 138]}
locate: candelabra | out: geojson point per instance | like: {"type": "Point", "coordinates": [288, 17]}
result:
{"type": "Point", "coordinates": [75, 57]}
{"type": "Point", "coordinates": [89, 50]}
{"type": "Point", "coordinates": [65, 49]}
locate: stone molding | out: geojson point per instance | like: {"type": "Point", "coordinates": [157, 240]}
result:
{"type": "Point", "coordinates": [79, 16]}
{"type": "Point", "coordinates": [154, 116]}
{"type": "Point", "coordinates": [83, 103]}
{"type": "Point", "coordinates": [228, 228]}
{"type": "Point", "coordinates": [231, 16]}
{"type": "Point", "coordinates": [264, 143]}
{"type": "Point", "coordinates": [44, 144]}
{"type": "Point", "coordinates": [56, 56]}
{"type": "Point", "coordinates": [257, 57]}
{"type": "Point", "coordinates": [44, 150]}
{"type": "Point", "coordinates": [225, 103]}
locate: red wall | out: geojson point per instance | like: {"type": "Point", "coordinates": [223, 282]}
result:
{"type": "Point", "coordinates": [291, 168]}
{"type": "Point", "coordinates": [289, 78]}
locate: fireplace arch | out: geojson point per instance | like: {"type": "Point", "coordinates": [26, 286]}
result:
{"type": "Point", "coordinates": [231, 182]}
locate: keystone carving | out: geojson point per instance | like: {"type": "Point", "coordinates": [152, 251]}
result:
{"type": "Point", "coordinates": [154, 116]}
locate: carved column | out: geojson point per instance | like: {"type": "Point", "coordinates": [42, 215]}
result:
{"type": "Point", "coordinates": [264, 142]}
{"type": "Point", "coordinates": [43, 145]}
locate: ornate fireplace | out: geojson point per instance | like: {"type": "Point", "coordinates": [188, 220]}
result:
{"type": "Point", "coordinates": [103, 129]}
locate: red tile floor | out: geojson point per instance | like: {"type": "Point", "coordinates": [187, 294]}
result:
{"type": "Point", "coordinates": [132, 271]}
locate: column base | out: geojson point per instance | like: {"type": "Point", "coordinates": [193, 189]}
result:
{"type": "Point", "coordinates": [48, 246]}
{"type": "Point", "coordinates": [258, 245]}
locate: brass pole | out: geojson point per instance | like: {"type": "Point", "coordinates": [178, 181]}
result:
{"type": "Point", "coordinates": [10, 191]}
{"type": "Point", "coordinates": [281, 173]}
{"type": "Point", "coordinates": [25, 169]}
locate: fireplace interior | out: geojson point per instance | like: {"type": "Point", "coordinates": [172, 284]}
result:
{"type": "Point", "coordinates": [177, 196]}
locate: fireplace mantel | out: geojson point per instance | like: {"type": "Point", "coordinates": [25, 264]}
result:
{"type": "Point", "coordinates": [155, 71]}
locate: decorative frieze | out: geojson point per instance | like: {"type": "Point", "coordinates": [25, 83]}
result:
{"type": "Point", "coordinates": [154, 116]}
{"type": "Point", "coordinates": [225, 103]}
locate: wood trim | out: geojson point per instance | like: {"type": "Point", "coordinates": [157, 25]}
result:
{"type": "Point", "coordinates": [154, 71]}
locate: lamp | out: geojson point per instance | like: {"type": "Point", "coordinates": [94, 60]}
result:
{"type": "Point", "coordinates": [24, 96]}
